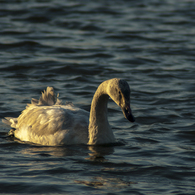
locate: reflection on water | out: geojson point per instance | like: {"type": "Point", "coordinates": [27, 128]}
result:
{"type": "Point", "coordinates": [97, 153]}
{"type": "Point", "coordinates": [107, 183]}
{"type": "Point", "coordinates": [65, 151]}
{"type": "Point", "coordinates": [94, 152]}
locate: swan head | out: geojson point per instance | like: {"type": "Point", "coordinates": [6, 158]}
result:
{"type": "Point", "coordinates": [119, 91]}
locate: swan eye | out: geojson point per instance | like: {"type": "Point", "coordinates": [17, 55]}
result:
{"type": "Point", "coordinates": [120, 96]}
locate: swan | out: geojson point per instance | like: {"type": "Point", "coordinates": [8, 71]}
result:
{"type": "Point", "coordinates": [48, 122]}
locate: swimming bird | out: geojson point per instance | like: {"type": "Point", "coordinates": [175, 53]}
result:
{"type": "Point", "coordinates": [48, 122]}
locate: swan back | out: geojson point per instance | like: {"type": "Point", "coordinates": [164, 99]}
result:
{"type": "Point", "coordinates": [48, 122]}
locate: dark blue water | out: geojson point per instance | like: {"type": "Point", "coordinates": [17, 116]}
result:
{"type": "Point", "coordinates": [74, 46]}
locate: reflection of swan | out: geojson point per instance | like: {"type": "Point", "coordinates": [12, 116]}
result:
{"type": "Point", "coordinates": [97, 153]}
{"type": "Point", "coordinates": [59, 151]}
{"type": "Point", "coordinates": [47, 122]}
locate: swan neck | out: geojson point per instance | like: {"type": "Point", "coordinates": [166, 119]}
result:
{"type": "Point", "coordinates": [99, 128]}
{"type": "Point", "coordinates": [99, 105]}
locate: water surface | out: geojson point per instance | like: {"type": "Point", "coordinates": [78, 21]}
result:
{"type": "Point", "coordinates": [74, 46]}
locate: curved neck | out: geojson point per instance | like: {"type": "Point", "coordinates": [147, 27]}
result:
{"type": "Point", "coordinates": [99, 128]}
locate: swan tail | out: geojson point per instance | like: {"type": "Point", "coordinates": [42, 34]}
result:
{"type": "Point", "coordinates": [12, 122]}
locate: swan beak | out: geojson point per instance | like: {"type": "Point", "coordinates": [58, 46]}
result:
{"type": "Point", "coordinates": [128, 114]}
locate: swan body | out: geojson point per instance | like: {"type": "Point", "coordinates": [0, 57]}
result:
{"type": "Point", "coordinates": [48, 122]}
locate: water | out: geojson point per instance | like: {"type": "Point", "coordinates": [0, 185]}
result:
{"type": "Point", "coordinates": [74, 46]}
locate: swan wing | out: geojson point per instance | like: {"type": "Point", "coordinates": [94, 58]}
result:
{"type": "Point", "coordinates": [53, 125]}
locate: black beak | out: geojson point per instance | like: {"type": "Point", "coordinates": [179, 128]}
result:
{"type": "Point", "coordinates": [127, 113]}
